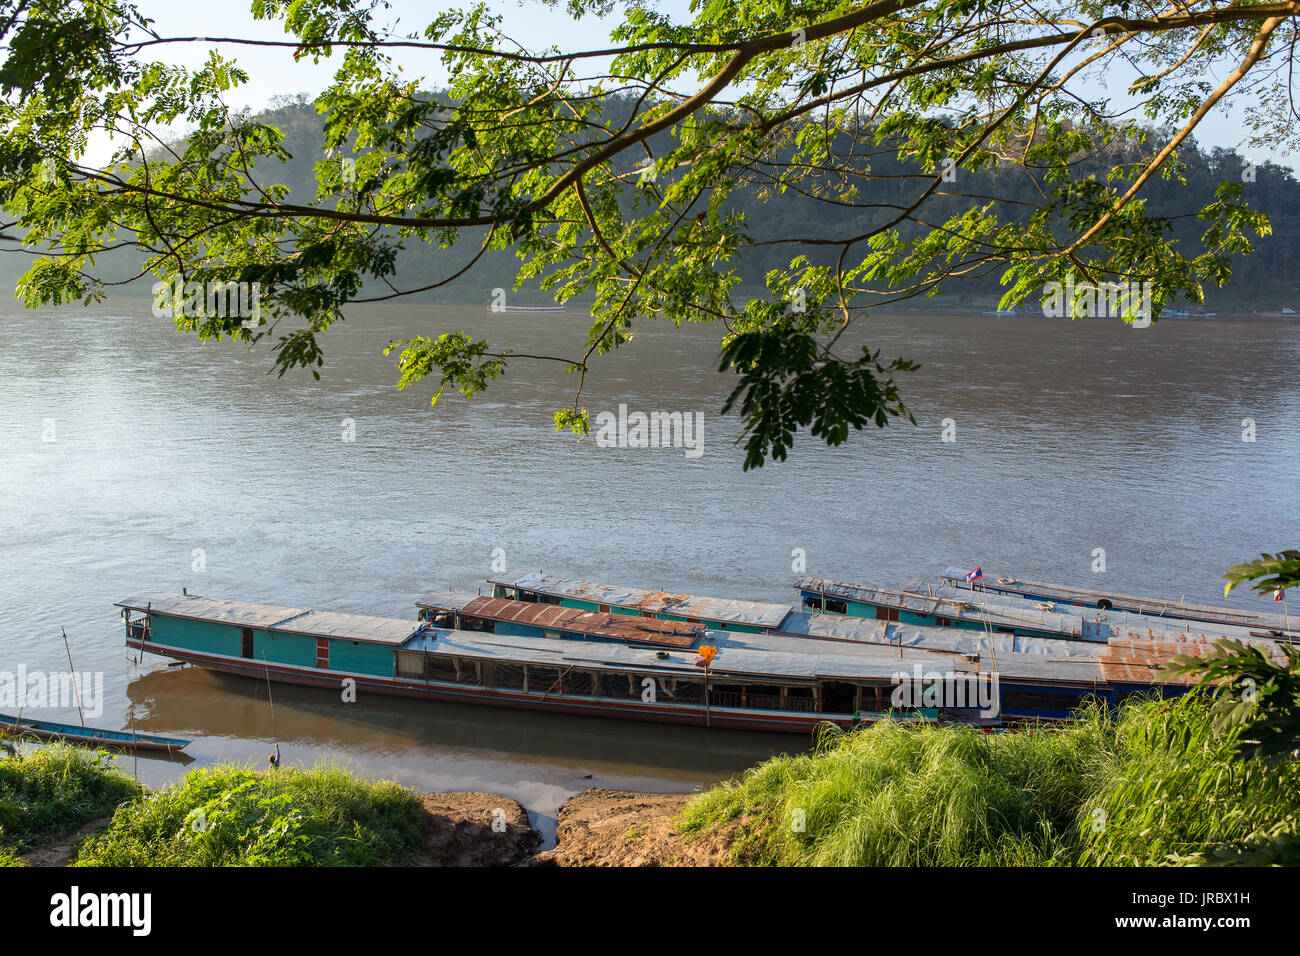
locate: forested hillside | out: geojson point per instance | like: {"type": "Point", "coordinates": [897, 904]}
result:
{"type": "Point", "coordinates": [1265, 280]}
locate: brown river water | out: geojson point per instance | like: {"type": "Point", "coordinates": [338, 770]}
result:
{"type": "Point", "coordinates": [137, 459]}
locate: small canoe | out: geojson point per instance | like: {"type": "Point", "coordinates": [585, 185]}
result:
{"type": "Point", "coordinates": [528, 309]}
{"type": "Point", "coordinates": [74, 733]}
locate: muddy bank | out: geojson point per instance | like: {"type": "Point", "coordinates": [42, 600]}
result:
{"type": "Point", "coordinates": [602, 827]}
{"type": "Point", "coordinates": [475, 829]}
{"type": "Point", "coordinates": [598, 827]}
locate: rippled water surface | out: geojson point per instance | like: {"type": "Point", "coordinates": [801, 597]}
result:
{"type": "Point", "coordinates": [1069, 437]}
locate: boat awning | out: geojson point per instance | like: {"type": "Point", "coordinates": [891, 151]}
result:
{"type": "Point", "coordinates": [446, 600]}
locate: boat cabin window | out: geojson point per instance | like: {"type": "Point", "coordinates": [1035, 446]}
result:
{"type": "Point", "coordinates": [548, 599]}
{"type": "Point", "coordinates": [886, 614]}
{"type": "Point", "coordinates": [830, 605]}
{"type": "Point", "coordinates": [839, 698]}
{"type": "Point", "coordinates": [1025, 700]}
{"type": "Point", "coordinates": [246, 642]}
{"type": "Point", "coordinates": [477, 624]}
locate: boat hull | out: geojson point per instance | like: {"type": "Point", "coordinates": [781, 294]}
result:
{"type": "Point", "coordinates": [722, 717]}
{"type": "Point", "coordinates": [124, 741]}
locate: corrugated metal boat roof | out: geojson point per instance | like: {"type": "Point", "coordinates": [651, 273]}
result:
{"type": "Point", "coordinates": [1103, 623]}
{"type": "Point", "coordinates": [756, 613]}
{"type": "Point", "coordinates": [843, 627]}
{"type": "Point", "coordinates": [1138, 661]}
{"type": "Point", "coordinates": [1004, 610]}
{"type": "Point", "coordinates": [271, 617]}
{"type": "Point", "coordinates": [863, 662]}
{"type": "Point", "coordinates": [624, 627]}
{"type": "Point", "coordinates": [1045, 668]}
{"type": "Point", "coordinates": [357, 627]}
{"type": "Point", "coordinates": [1144, 605]}
{"type": "Point", "coordinates": [242, 613]}
{"type": "Point", "coordinates": [965, 607]}
{"type": "Point", "coordinates": [446, 600]}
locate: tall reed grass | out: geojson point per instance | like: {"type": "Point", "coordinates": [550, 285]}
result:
{"type": "Point", "coordinates": [1151, 784]}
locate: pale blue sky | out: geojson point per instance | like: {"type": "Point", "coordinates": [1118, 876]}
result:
{"type": "Point", "coordinates": [273, 71]}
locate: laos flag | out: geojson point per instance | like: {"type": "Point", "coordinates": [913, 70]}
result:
{"type": "Point", "coordinates": [972, 576]}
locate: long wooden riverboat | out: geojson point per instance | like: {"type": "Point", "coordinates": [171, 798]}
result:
{"type": "Point", "coordinates": [924, 605]}
{"type": "Point", "coordinates": [1038, 677]}
{"type": "Point", "coordinates": [583, 669]}
{"type": "Point", "coordinates": [946, 605]}
{"type": "Point", "coordinates": [545, 643]}
{"type": "Point", "coordinates": [1106, 600]}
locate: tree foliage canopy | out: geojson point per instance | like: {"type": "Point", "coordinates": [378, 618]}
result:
{"type": "Point", "coordinates": [612, 172]}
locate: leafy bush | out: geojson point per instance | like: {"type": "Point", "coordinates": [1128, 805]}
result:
{"type": "Point", "coordinates": [232, 816]}
{"type": "Point", "coordinates": [9, 858]}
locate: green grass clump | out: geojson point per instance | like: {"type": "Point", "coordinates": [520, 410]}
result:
{"type": "Point", "coordinates": [1152, 784]}
{"type": "Point", "coordinates": [230, 815]}
{"type": "Point", "coordinates": [52, 790]}
{"type": "Point", "coordinates": [898, 794]}
{"type": "Point", "coordinates": [1178, 791]}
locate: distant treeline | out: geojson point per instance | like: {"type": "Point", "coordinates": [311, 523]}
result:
{"type": "Point", "coordinates": [1264, 280]}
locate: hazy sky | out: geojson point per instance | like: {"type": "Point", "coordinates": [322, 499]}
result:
{"type": "Point", "coordinates": [273, 71]}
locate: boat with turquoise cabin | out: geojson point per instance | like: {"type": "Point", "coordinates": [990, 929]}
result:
{"type": "Point", "coordinates": [946, 605]}
{"type": "Point", "coordinates": [704, 679]}
{"type": "Point", "coordinates": [1038, 677]}
{"type": "Point", "coordinates": [1277, 625]}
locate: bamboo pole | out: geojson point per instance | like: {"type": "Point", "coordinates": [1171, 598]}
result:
{"type": "Point", "coordinates": [76, 692]}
